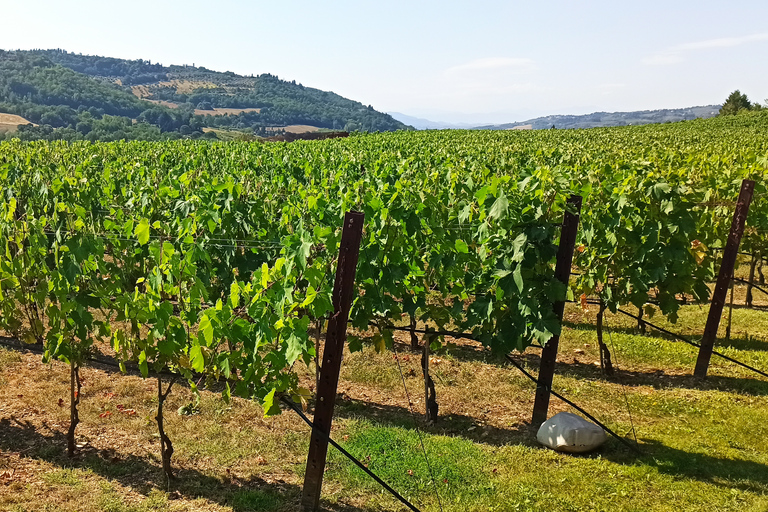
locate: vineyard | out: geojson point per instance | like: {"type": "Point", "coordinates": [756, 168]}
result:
{"type": "Point", "coordinates": [212, 265]}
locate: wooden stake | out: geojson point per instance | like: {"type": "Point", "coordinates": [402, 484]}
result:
{"type": "Point", "coordinates": [343, 290]}
{"type": "Point", "coordinates": [724, 278]}
{"type": "Point", "coordinates": [562, 273]}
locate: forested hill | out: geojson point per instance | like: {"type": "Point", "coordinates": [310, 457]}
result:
{"type": "Point", "coordinates": [72, 96]}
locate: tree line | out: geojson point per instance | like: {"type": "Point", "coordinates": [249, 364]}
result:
{"type": "Point", "coordinates": [738, 101]}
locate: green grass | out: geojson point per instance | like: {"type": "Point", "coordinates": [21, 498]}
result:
{"type": "Point", "coordinates": [475, 477]}
{"type": "Point", "coordinates": [699, 440]}
{"type": "Point", "coordinates": [395, 455]}
{"type": "Point", "coordinates": [109, 500]}
{"type": "Point", "coordinates": [69, 477]}
{"type": "Point", "coordinates": [255, 500]}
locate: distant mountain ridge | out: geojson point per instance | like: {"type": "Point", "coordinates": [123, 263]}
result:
{"type": "Point", "coordinates": [425, 124]}
{"type": "Point", "coordinates": [606, 119]}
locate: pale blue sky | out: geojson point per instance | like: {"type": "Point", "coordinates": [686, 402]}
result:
{"type": "Point", "coordinates": [481, 61]}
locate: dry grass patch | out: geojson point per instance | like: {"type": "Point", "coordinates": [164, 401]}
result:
{"type": "Point", "coordinates": [301, 128]}
{"type": "Point", "coordinates": [12, 119]}
{"type": "Point", "coordinates": [224, 450]}
{"type": "Point", "coordinates": [140, 91]}
{"type": "Point", "coordinates": [9, 123]}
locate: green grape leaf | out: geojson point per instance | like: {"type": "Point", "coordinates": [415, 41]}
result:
{"type": "Point", "coordinates": [225, 368]}
{"type": "Point", "coordinates": [355, 344]}
{"type": "Point", "coordinates": [270, 404]}
{"type": "Point", "coordinates": [143, 364]}
{"type": "Point", "coordinates": [517, 275]}
{"type": "Point", "coordinates": [206, 330]}
{"type": "Point", "coordinates": [379, 343]}
{"type": "Point", "coordinates": [500, 206]}
{"type": "Point", "coordinates": [142, 231]}
{"type": "Point", "coordinates": [264, 275]}
{"type": "Point", "coordinates": [234, 295]}
{"type": "Point", "coordinates": [295, 348]}
{"type": "Point", "coordinates": [196, 358]}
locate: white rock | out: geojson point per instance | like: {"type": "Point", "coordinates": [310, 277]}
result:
{"type": "Point", "coordinates": [566, 432]}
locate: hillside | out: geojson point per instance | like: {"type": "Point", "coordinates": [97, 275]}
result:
{"type": "Point", "coordinates": [99, 98]}
{"type": "Point", "coordinates": [605, 119]}
{"type": "Point", "coordinates": [279, 102]}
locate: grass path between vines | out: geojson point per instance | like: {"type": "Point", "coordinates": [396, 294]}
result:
{"type": "Point", "coordinates": [702, 442]}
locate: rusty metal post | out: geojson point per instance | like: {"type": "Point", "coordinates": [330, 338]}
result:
{"type": "Point", "coordinates": [343, 290]}
{"type": "Point", "coordinates": [724, 278]}
{"type": "Point", "coordinates": [562, 273]}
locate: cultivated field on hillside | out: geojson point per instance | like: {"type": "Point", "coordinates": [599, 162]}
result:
{"type": "Point", "coordinates": [180, 86]}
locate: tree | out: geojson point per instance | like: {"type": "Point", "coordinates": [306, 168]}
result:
{"type": "Point", "coordinates": [736, 101]}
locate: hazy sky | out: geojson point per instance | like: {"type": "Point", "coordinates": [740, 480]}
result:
{"type": "Point", "coordinates": [480, 61]}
